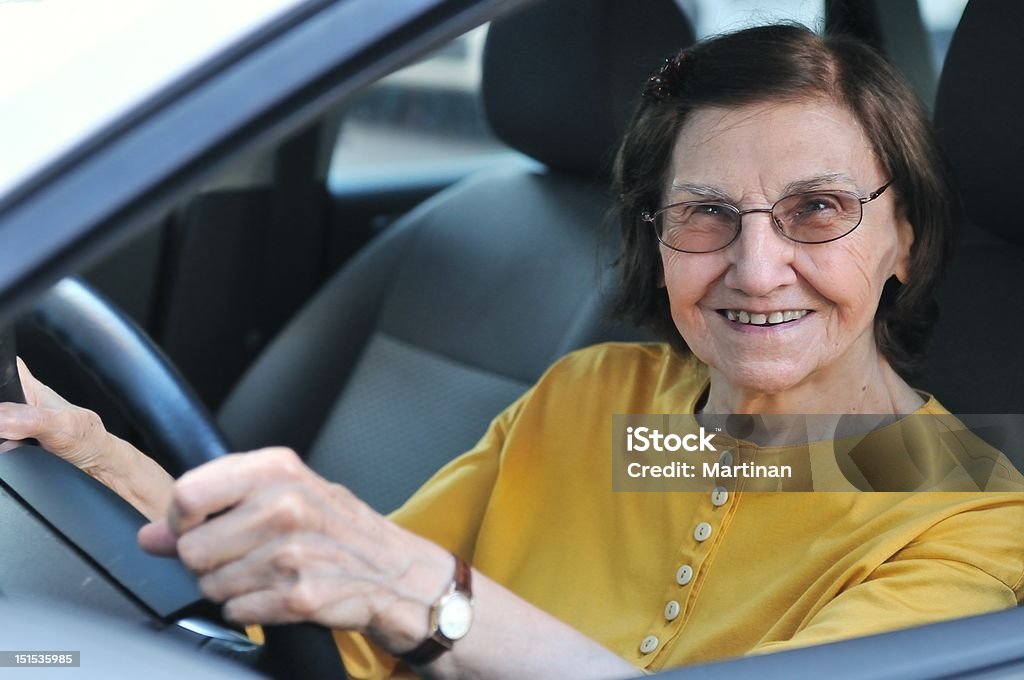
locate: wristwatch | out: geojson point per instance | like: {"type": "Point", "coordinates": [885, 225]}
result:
{"type": "Point", "coordinates": [451, 615]}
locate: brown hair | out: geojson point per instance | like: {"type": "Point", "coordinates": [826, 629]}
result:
{"type": "Point", "coordinates": [777, 64]}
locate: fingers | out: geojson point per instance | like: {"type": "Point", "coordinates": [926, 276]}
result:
{"type": "Point", "coordinates": [73, 433]}
{"type": "Point", "coordinates": [266, 514]}
{"type": "Point", "coordinates": [277, 543]}
{"type": "Point", "coordinates": [36, 393]}
{"type": "Point", "coordinates": [279, 564]}
{"type": "Point", "coordinates": [225, 482]}
{"type": "Point", "coordinates": [295, 578]}
{"type": "Point", "coordinates": [58, 430]}
{"type": "Point", "coordinates": [254, 572]}
{"type": "Point", "coordinates": [211, 489]}
{"type": "Point", "coordinates": [21, 421]}
{"type": "Point", "coordinates": [28, 381]}
{"type": "Point", "coordinates": [157, 538]}
{"type": "Point", "coordinates": [259, 607]}
{"type": "Point", "coordinates": [301, 602]}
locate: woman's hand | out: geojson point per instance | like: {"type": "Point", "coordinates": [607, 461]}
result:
{"type": "Point", "coordinates": [277, 543]}
{"type": "Point", "coordinates": [77, 435]}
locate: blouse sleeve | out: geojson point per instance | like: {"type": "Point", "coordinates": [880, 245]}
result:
{"type": "Point", "coordinates": [448, 509]}
{"type": "Point", "coordinates": [967, 564]}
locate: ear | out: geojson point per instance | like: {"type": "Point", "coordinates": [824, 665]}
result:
{"type": "Point", "coordinates": [905, 242]}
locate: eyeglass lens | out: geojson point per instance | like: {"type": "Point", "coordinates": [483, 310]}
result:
{"type": "Point", "coordinates": [698, 227]}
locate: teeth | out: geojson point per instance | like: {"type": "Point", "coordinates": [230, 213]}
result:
{"type": "Point", "coordinates": [761, 319]}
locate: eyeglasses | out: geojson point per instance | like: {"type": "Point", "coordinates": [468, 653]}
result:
{"type": "Point", "coordinates": [811, 217]}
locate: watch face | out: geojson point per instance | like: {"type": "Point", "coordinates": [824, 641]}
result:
{"type": "Point", "coordinates": [455, 616]}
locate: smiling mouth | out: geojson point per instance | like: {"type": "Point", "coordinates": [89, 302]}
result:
{"type": "Point", "coordinates": [759, 319]}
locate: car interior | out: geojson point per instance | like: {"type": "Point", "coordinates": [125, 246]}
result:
{"type": "Point", "coordinates": [377, 328]}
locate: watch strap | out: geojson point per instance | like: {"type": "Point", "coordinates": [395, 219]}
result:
{"type": "Point", "coordinates": [437, 643]}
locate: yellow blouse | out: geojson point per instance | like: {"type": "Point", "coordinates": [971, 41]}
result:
{"type": "Point", "coordinates": [666, 579]}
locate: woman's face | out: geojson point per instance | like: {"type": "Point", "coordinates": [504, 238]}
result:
{"type": "Point", "coordinates": [751, 157]}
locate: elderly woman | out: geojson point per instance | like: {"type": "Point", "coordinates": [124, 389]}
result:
{"type": "Point", "coordinates": [784, 214]}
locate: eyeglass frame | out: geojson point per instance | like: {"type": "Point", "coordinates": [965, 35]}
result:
{"type": "Point", "coordinates": [652, 217]}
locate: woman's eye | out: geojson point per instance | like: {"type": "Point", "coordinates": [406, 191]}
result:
{"type": "Point", "coordinates": [818, 204]}
{"type": "Point", "coordinates": [709, 209]}
{"type": "Point", "coordinates": [698, 215]}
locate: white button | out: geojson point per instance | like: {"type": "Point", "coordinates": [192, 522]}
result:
{"type": "Point", "coordinates": [671, 610]}
{"type": "Point", "coordinates": [702, 532]}
{"type": "Point", "coordinates": [726, 458]}
{"type": "Point", "coordinates": [648, 644]}
{"type": "Point", "coordinates": [684, 574]}
{"type": "Point", "coordinates": [719, 496]}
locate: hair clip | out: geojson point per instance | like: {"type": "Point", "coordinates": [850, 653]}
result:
{"type": "Point", "coordinates": [667, 80]}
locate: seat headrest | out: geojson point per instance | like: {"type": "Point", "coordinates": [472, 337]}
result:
{"type": "Point", "coordinates": [562, 77]}
{"type": "Point", "coordinates": [979, 112]}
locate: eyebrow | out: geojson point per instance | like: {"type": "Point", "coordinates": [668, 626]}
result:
{"type": "Point", "coordinates": [827, 179]}
{"type": "Point", "coordinates": [702, 191]}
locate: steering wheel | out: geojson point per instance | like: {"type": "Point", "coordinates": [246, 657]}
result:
{"type": "Point", "coordinates": [143, 382]}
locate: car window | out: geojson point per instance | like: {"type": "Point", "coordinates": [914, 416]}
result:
{"type": "Point", "coordinates": [717, 16]}
{"type": "Point", "coordinates": [59, 90]}
{"type": "Point", "coordinates": [424, 117]}
{"type": "Point", "coordinates": [940, 19]}
{"type": "Point", "coordinates": [429, 116]}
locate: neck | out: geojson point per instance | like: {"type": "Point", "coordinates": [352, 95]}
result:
{"type": "Point", "coordinates": [872, 388]}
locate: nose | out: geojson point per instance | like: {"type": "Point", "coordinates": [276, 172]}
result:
{"type": "Point", "coordinates": [760, 259]}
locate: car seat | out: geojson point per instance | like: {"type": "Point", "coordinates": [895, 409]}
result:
{"type": "Point", "coordinates": [400, 361]}
{"type": "Point", "coordinates": [975, 360]}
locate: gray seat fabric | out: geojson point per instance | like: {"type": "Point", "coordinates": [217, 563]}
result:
{"type": "Point", "coordinates": [400, 362]}
{"type": "Point", "coordinates": [975, 362]}
{"type": "Point", "coordinates": [415, 396]}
